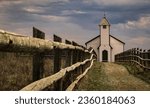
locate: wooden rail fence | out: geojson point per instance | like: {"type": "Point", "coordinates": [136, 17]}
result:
{"type": "Point", "coordinates": [136, 55]}
{"type": "Point", "coordinates": [78, 59]}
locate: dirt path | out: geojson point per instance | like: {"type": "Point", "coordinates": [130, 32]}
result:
{"type": "Point", "coordinates": [111, 76]}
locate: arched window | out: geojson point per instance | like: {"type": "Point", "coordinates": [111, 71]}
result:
{"type": "Point", "coordinates": [104, 26]}
{"type": "Point", "coordinates": [105, 56]}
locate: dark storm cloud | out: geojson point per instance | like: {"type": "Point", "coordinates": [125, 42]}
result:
{"type": "Point", "coordinates": [77, 15]}
{"type": "Point", "coordinates": [92, 13]}
{"type": "Point", "coordinates": [117, 14]}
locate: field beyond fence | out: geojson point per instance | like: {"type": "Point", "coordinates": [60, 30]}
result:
{"type": "Point", "coordinates": [25, 60]}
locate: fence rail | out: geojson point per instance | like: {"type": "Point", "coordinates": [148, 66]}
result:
{"type": "Point", "coordinates": [48, 81]}
{"type": "Point", "coordinates": [78, 59]}
{"type": "Point", "coordinates": [136, 55]}
{"type": "Point", "coordinates": [72, 85]}
{"type": "Point", "coordinates": [17, 43]}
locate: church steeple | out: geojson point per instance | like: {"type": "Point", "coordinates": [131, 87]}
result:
{"type": "Point", "coordinates": [104, 21]}
{"type": "Point", "coordinates": [105, 48]}
{"type": "Point", "coordinates": [104, 27]}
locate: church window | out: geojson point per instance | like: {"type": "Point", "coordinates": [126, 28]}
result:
{"type": "Point", "coordinates": [104, 26]}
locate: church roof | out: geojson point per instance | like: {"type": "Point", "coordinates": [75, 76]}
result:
{"type": "Point", "coordinates": [92, 39]}
{"type": "Point", "coordinates": [99, 36]}
{"type": "Point", "coordinates": [104, 21]}
{"type": "Point", "coordinates": [117, 39]}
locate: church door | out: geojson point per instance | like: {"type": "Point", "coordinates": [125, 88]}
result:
{"type": "Point", "coordinates": [105, 56]}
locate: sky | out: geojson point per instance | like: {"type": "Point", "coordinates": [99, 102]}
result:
{"type": "Point", "coordinates": [78, 20]}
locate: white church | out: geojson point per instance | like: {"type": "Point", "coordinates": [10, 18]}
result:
{"type": "Point", "coordinates": [105, 45]}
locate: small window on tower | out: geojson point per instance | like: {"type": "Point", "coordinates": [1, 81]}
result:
{"type": "Point", "coordinates": [104, 26]}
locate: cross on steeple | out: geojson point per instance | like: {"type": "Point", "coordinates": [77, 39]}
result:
{"type": "Point", "coordinates": [104, 14]}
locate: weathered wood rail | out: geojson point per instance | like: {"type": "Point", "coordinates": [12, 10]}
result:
{"type": "Point", "coordinates": [48, 81]}
{"type": "Point", "coordinates": [136, 55]}
{"type": "Point", "coordinates": [78, 59]}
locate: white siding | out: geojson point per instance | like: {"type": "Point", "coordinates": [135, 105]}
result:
{"type": "Point", "coordinates": [107, 48]}
{"type": "Point", "coordinates": [104, 35]}
{"type": "Point", "coordinates": [117, 47]}
{"type": "Point", "coordinates": [94, 44]}
{"type": "Point", "coordinates": [104, 42]}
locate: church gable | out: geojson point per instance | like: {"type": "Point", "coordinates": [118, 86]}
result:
{"type": "Point", "coordinates": [92, 40]}
{"type": "Point", "coordinates": [117, 39]}
{"type": "Point", "coordinates": [99, 37]}
{"type": "Point", "coordinates": [94, 43]}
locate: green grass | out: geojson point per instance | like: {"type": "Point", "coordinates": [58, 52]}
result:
{"type": "Point", "coordinates": [137, 71]}
{"type": "Point", "coordinates": [112, 77]}
{"type": "Point", "coordinates": [95, 80]}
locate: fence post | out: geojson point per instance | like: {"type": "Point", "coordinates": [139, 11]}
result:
{"type": "Point", "coordinates": [75, 59]}
{"type": "Point", "coordinates": [81, 59]}
{"type": "Point", "coordinates": [38, 63]}
{"type": "Point", "coordinates": [148, 57]}
{"type": "Point", "coordinates": [134, 54]}
{"type": "Point", "coordinates": [68, 54]}
{"type": "Point", "coordinates": [57, 63]}
{"type": "Point", "coordinates": [68, 78]}
{"type": "Point", "coordinates": [143, 58]}
{"type": "Point", "coordinates": [137, 51]}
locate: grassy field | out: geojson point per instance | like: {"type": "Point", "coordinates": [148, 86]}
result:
{"type": "Point", "coordinates": [94, 80]}
{"type": "Point", "coordinates": [112, 77]}
{"type": "Point", "coordinates": [16, 70]}
{"type": "Point", "coordinates": [137, 71]}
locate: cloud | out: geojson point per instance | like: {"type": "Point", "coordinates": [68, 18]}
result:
{"type": "Point", "coordinates": [54, 18]}
{"type": "Point", "coordinates": [33, 9]}
{"type": "Point", "coordinates": [117, 2]}
{"type": "Point", "coordinates": [134, 33]}
{"type": "Point", "coordinates": [72, 12]}
{"type": "Point", "coordinates": [134, 28]}
{"type": "Point", "coordinates": [139, 42]}
{"type": "Point", "coordinates": [142, 23]}
{"type": "Point", "coordinates": [78, 19]}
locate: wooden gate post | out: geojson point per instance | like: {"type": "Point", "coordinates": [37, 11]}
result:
{"type": "Point", "coordinates": [57, 62]}
{"type": "Point", "coordinates": [38, 63]}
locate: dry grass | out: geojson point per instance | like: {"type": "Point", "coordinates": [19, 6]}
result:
{"type": "Point", "coordinates": [95, 79]}
{"type": "Point", "coordinates": [137, 71]}
{"type": "Point", "coordinates": [111, 76]}
{"type": "Point", "coordinates": [15, 71]}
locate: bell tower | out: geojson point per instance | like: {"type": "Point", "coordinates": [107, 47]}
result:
{"type": "Point", "coordinates": [104, 27]}
{"type": "Point", "coordinates": [105, 48]}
